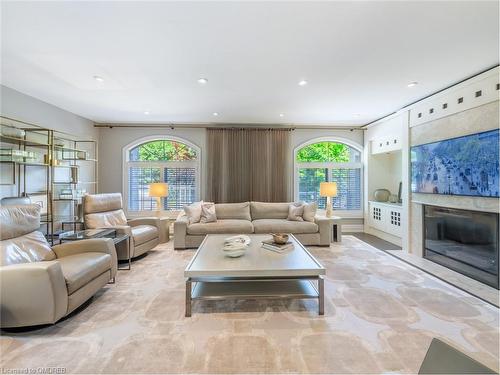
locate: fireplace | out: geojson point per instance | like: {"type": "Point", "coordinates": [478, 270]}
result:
{"type": "Point", "coordinates": [464, 241]}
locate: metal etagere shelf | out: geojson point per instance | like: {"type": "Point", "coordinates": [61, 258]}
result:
{"type": "Point", "coordinates": [68, 165]}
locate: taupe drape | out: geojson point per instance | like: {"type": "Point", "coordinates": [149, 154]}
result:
{"type": "Point", "coordinates": [248, 165]}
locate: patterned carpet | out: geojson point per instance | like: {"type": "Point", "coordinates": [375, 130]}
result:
{"type": "Point", "coordinates": [380, 317]}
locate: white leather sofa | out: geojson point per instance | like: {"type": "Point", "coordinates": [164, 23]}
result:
{"type": "Point", "coordinates": [40, 284]}
{"type": "Point", "coordinates": [251, 217]}
{"type": "Point", "coordinates": [106, 211]}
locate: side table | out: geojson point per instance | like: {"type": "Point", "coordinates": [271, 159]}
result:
{"type": "Point", "coordinates": [167, 218]}
{"type": "Point", "coordinates": [336, 235]}
{"type": "Point", "coordinates": [99, 233]}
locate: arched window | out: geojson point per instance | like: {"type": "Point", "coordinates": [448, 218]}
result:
{"type": "Point", "coordinates": [330, 161]}
{"type": "Point", "coordinates": [169, 160]}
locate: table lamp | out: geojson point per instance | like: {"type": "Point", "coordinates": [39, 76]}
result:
{"type": "Point", "coordinates": [328, 190]}
{"type": "Point", "coordinates": [158, 190]}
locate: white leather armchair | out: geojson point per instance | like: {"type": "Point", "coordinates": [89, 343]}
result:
{"type": "Point", "coordinates": [40, 284]}
{"type": "Point", "coordinates": [106, 211]}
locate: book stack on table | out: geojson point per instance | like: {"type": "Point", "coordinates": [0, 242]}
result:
{"type": "Point", "coordinates": [279, 248]}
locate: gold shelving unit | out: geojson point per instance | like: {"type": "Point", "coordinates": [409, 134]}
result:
{"type": "Point", "coordinates": [54, 152]}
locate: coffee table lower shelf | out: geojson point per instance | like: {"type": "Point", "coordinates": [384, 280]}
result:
{"type": "Point", "coordinates": [235, 288]}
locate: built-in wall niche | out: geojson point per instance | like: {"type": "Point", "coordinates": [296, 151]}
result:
{"type": "Point", "coordinates": [385, 172]}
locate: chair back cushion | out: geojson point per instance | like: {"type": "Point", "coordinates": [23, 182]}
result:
{"type": "Point", "coordinates": [103, 210]}
{"type": "Point", "coordinates": [21, 242]}
{"type": "Point", "coordinates": [16, 221]}
{"type": "Point", "coordinates": [94, 203]}
{"type": "Point", "coordinates": [105, 219]}
{"type": "Point", "coordinates": [236, 211]}
{"type": "Point", "coordinates": [264, 210]}
{"type": "Point", "coordinates": [31, 247]}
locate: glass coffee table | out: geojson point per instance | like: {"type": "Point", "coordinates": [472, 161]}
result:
{"type": "Point", "coordinates": [258, 274]}
{"type": "Point", "coordinates": [99, 233]}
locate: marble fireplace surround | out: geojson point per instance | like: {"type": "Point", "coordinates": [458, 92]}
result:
{"type": "Point", "coordinates": [475, 120]}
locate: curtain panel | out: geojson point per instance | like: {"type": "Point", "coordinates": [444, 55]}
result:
{"type": "Point", "coordinates": [248, 164]}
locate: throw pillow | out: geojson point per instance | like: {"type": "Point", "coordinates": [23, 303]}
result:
{"type": "Point", "coordinates": [295, 212]}
{"type": "Point", "coordinates": [208, 213]}
{"type": "Point", "coordinates": [193, 212]}
{"type": "Point", "coordinates": [310, 211]}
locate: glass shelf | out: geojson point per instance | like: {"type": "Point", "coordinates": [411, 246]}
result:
{"type": "Point", "coordinates": [73, 183]}
{"type": "Point", "coordinates": [21, 141]}
{"type": "Point", "coordinates": [29, 163]}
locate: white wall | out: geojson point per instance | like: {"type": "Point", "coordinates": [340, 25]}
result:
{"type": "Point", "coordinates": [27, 108]}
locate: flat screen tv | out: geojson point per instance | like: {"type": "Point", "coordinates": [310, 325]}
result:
{"type": "Point", "coordinates": [465, 165]}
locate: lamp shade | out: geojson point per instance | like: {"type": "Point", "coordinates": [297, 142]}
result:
{"type": "Point", "coordinates": [328, 189]}
{"type": "Point", "coordinates": [158, 189]}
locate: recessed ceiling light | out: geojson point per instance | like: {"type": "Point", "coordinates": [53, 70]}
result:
{"type": "Point", "coordinates": [146, 112]}
{"type": "Point", "coordinates": [99, 79]}
{"type": "Point", "coordinates": [302, 82]}
{"type": "Point", "coordinates": [412, 84]}
{"type": "Point", "coordinates": [357, 115]}
{"type": "Point", "coordinates": [215, 113]}
{"type": "Point", "coordinates": [282, 115]}
{"type": "Point", "coordinates": [202, 81]}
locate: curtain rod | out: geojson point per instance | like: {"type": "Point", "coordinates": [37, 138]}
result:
{"type": "Point", "coordinates": [218, 126]}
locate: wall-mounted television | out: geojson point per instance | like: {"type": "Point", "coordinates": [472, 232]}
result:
{"type": "Point", "coordinates": [465, 165]}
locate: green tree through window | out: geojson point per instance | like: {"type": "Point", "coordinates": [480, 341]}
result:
{"type": "Point", "coordinates": [162, 150]}
{"type": "Point", "coordinates": [324, 152]}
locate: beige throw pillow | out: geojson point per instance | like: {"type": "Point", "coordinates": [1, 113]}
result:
{"type": "Point", "coordinates": [295, 212]}
{"type": "Point", "coordinates": [310, 210]}
{"type": "Point", "coordinates": [193, 212]}
{"type": "Point", "coordinates": [208, 213]}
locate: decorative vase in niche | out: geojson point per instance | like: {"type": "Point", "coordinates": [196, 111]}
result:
{"type": "Point", "coordinates": [381, 195]}
{"type": "Point", "coordinates": [393, 198]}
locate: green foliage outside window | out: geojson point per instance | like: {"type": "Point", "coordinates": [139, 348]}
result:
{"type": "Point", "coordinates": [162, 151]}
{"type": "Point", "coordinates": [324, 152]}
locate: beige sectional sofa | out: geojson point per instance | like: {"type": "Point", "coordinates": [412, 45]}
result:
{"type": "Point", "coordinates": [251, 217]}
{"type": "Point", "coordinates": [40, 284]}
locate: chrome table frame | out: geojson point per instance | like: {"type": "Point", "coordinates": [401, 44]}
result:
{"type": "Point", "coordinates": [213, 285]}
{"type": "Point", "coordinates": [194, 283]}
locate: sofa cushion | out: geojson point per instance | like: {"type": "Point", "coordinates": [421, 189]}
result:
{"type": "Point", "coordinates": [239, 211]}
{"type": "Point", "coordinates": [263, 210]}
{"type": "Point", "coordinates": [80, 269]}
{"type": "Point", "coordinates": [310, 210]}
{"type": "Point", "coordinates": [105, 219]}
{"type": "Point", "coordinates": [32, 247]}
{"type": "Point", "coordinates": [295, 212]}
{"type": "Point", "coordinates": [222, 226]}
{"type": "Point", "coordinates": [193, 212]}
{"type": "Point", "coordinates": [144, 233]}
{"type": "Point", "coordinates": [208, 214]}
{"type": "Point", "coordinates": [285, 226]}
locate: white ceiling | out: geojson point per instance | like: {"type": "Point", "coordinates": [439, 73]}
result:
{"type": "Point", "coordinates": [357, 57]}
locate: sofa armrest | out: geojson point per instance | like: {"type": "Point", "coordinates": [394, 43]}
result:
{"type": "Point", "coordinates": [180, 231]}
{"type": "Point", "coordinates": [325, 226]}
{"type": "Point", "coordinates": [99, 245]}
{"type": "Point", "coordinates": [32, 294]}
{"type": "Point", "coordinates": [154, 221]}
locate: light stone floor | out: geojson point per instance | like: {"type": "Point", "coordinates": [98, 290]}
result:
{"type": "Point", "coordinates": [381, 315]}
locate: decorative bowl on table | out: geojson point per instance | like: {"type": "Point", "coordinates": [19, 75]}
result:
{"type": "Point", "coordinates": [280, 238]}
{"type": "Point", "coordinates": [235, 246]}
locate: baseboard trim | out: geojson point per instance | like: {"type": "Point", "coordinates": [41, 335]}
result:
{"type": "Point", "coordinates": [347, 228]}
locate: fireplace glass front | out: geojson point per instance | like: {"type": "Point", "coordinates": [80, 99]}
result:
{"type": "Point", "coordinates": [464, 241]}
